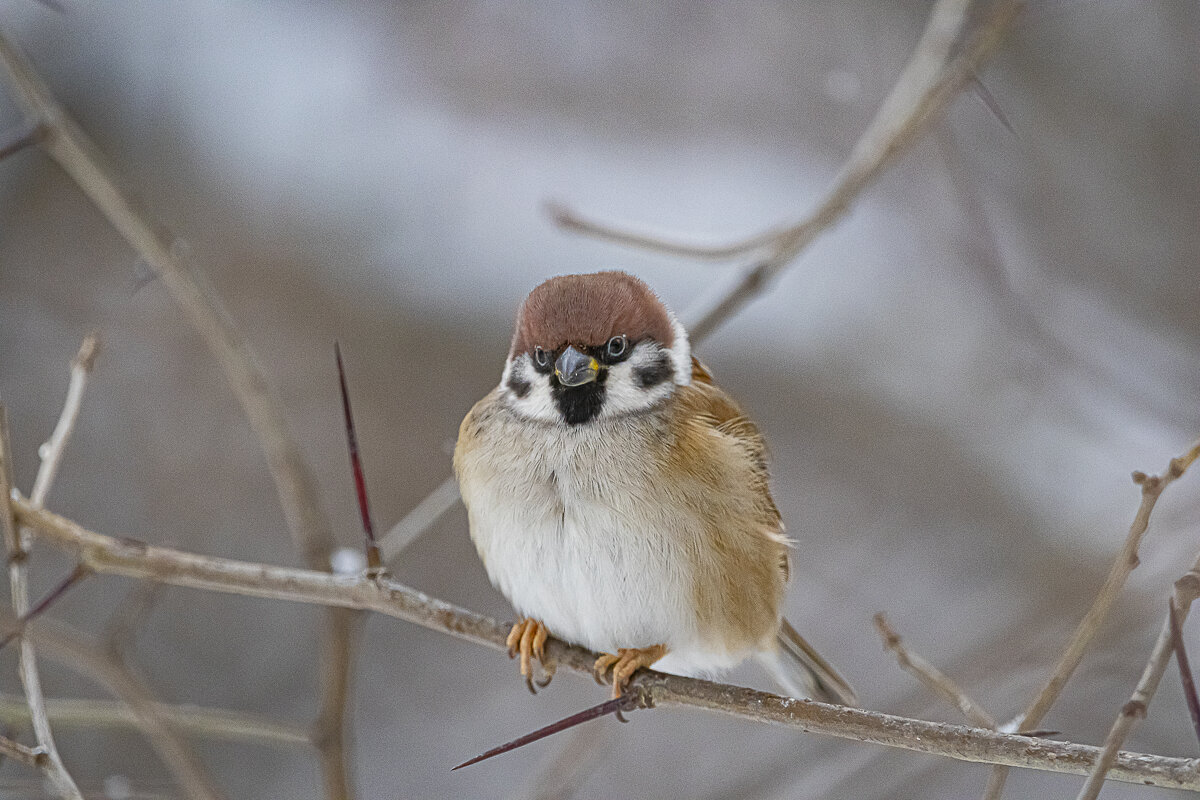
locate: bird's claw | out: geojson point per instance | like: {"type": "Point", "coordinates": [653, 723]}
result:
{"type": "Point", "coordinates": [528, 639]}
{"type": "Point", "coordinates": [627, 661]}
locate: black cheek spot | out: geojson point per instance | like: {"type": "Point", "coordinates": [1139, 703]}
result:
{"type": "Point", "coordinates": [654, 373]}
{"type": "Point", "coordinates": [519, 386]}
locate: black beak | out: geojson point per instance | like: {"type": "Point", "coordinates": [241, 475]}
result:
{"type": "Point", "coordinates": [573, 368]}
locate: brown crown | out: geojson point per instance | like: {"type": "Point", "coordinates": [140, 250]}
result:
{"type": "Point", "coordinates": [589, 310]}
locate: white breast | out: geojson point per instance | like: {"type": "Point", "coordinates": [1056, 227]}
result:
{"type": "Point", "coordinates": [573, 529]}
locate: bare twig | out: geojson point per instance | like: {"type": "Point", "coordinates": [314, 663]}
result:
{"type": "Point", "coordinates": [1187, 589]}
{"type": "Point", "coordinates": [52, 451]}
{"type": "Point", "coordinates": [66, 143]}
{"type": "Point", "coordinates": [423, 516]}
{"type": "Point", "coordinates": [53, 765]}
{"type": "Point", "coordinates": [33, 757]}
{"type": "Point", "coordinates": [1125, 562]}
{"type": "Point", "coordinates": [569, 219]}
{"type": "Point", "coordinates": [1123, 565]}
{"type": "Point", "coordinates": [1185, 668]}
{"type": "Point", "coordinates": [933, 678]}
{"type": "Point", "coordinates": [209, 723]}
{"type": "Point", "coordinates": [133, 559]}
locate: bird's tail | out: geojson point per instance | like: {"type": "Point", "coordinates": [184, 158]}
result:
{"type": "Point", "coordinates": [801, 671]}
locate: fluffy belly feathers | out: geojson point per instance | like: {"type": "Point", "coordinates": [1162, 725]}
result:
{"type": "Point", "coordinates": [572, 534]}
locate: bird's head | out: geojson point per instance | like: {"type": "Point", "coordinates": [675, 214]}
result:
{"type": "Point", "coordinates": [596, 346]}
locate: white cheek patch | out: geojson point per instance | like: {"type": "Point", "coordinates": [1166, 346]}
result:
{"type": "Point", "coordinates": [528, 391]}
{"type": "Point", "coordinates": [625, 393]}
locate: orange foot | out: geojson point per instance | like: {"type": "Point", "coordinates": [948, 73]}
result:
{"type": "Point", "coordinates": [628, 661]}
{"type": "Point", "coordinates": [528, 637]}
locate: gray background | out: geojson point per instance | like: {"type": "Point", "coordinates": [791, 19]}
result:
{"type": "Point", "coordinates": [955, 382]}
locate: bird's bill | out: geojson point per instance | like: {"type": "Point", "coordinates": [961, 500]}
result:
{"type": "Point", "coordinates": [573, 368]}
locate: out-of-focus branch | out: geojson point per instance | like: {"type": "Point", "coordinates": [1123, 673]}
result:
{"type": "Point", "coordinates": [52, 765]}
{"type": "Point", "coordinates": [1081, 640]}
{"type": "Point", "coordinates": [934, 679]}
{"type": "Point", "coordinates": [210, 723]}
{"type": "Point", "coordinates": [134, 559]}
{"type": "Point", "coordinates": [66, 143]}
{"type": "Point", "coordinates": [34, 757]}
{"type": "Point", "coordinates": [423, 516]}
{"type": "Point", "coordinates": [1187, 589]}
{"type": "Point", "coordinates": [930, 80]}
{"type": "Point", "coordinates": [69, 647]}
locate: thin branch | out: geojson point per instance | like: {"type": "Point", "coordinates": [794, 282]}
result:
{"type": "Point", "coordinates": [569, 219]}
{"type": "Point", "coordinates": [1089, 626]}
{"type": "Point", "coordinates": [926, 86]}
{"type": "Point", "coordinates": [1135, 709]}
{"type": "Point", "coordinates": [1185, 668]}
{"type": "Point", "coordinates": [67, 144]}
{"type": "Point", "coordinates": [933, 678]}
{"type": "Point", "coordinates": [137, 560]}
{"type": "Point", "coordinates": [53, 596]}
{"type": "Point", "coordinates": [436, 505]}
{"type": "Point", "coordinates": [52, 451]}
{"type": "Point", "coordinates": [53, 767]}
{"type": "Point", "coordinates": [1123, 565]}
{"type": "Point", "coordinates": [33, 757]}
{"type": "Point", "coordinates": [209, 723]}
{"type": "Point", "coordinates": [329, 730]}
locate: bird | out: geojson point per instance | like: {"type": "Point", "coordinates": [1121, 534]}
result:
{"type": "Point", "coordinates": [619, 499]}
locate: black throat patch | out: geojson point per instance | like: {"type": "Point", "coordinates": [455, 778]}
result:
{"type": "Point", "coordinates": [579, 404]}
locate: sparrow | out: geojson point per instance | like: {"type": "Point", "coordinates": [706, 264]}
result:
{"type": "Point", "coordinates": [619, 499]}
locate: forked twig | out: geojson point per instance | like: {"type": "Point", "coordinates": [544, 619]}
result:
{"type": "Point", "coordinates": [385, 596]}
{"type": "Point", "coordinates": [1089, 626]}
{"type": "Point", "coordinates": [1186, 591]}
{"type": "Point", "coordinates": [55, 770]}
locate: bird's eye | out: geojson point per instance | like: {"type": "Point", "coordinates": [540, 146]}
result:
{"type": "Point", "coordinates": [617, 346]}
{"type": "Point", "coordinates": [541, 357]}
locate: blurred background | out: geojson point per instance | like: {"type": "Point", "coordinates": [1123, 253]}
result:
{"type": "Point", "coordinates": [956, 381]}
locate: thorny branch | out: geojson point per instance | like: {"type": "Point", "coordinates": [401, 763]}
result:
{"type": "Point", "coordinates": [61, 138]}
{"type": "Point", "coordinates": [137, 560]}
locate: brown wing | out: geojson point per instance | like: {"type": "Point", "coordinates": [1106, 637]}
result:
{"type": "Point", "coordinates": [727, 418]}
{"type": "Point", "coordinates": [741, 569]}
